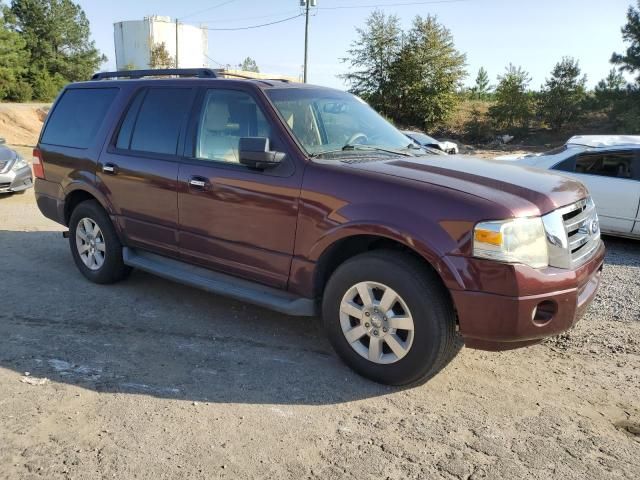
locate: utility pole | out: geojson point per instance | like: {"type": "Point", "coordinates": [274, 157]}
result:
{"type": "Point", "coordinates": [306, 4]}
{"type": "Point", "coordinates": [177, 42]}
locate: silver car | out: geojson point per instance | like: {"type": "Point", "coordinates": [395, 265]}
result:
{"type": "Point", "coordinates": [15, 172]}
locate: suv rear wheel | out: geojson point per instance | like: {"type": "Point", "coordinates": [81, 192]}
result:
{"type": "Point", "coordinates": [389, 318]}
{"type": "Point", "coordinates": [96, 249]}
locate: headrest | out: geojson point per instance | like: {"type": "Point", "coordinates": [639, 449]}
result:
{"type": "Point", "coordinates": [217, 116]}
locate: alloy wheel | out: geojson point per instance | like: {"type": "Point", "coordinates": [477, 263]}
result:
{"type": "Point", "coordinates": [376, 322]}
{"type": "Point", "coordinates": [90, 243]}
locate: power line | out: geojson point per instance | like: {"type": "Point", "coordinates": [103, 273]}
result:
{"type": "Point", "coordinates": [432, 2]}
{"type": "Point", "coordinates": [214, 61]}
{"type": "Point", "coordinates": [207, 9]}
{"type": "Point", "coordinates": [255, 26]}
{"type": "Point", "coordinates": [271, 15]}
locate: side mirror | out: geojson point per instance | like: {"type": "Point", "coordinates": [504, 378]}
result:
{"type": "Point", "coordinates": [254, 153]}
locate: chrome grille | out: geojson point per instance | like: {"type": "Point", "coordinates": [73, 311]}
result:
{"type": "Point", "coordinates": [573, 234]}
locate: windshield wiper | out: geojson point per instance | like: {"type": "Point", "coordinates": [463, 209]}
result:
{"type": "Point", "coordinates": [353, 147]}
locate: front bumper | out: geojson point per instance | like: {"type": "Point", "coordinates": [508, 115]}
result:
{"type": "Point", "coordinates": [491, 321]}
{"type": "Point", "coordinates": [16, 180]}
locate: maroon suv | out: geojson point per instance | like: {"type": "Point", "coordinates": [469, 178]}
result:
{"type": "Point", "coordinates": [304, 200]}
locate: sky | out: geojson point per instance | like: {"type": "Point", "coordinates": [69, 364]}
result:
{"type": "Point", "coordinates": [493, 33]}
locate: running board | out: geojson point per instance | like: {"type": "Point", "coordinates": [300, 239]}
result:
{"type": "Point", "coordinates": [219, 283]}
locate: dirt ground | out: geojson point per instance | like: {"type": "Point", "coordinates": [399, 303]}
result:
{"type": "Point", "coordinates": [150, 379]}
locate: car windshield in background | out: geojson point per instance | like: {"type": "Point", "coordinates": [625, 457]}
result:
{"type": "Point", "coordinates": [550, 153]}
{"type": "Point", "coordinates": [423, 139]}
{"type": "Point", "coordinates": [329, 121]}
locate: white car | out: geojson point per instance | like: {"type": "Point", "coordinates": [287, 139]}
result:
{"type": "Point", "coordinates": [609, 165]}
{"type": "Point", "coordinates": [427, 141]}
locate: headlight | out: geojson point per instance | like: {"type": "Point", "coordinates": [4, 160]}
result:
{"type": "Point", "coordinates": [519, 240]}
{"type": "Point", "coordinates": [19, 163]}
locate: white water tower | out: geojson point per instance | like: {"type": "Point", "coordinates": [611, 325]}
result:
{"type": "Point", "coordinates": [134, 38]}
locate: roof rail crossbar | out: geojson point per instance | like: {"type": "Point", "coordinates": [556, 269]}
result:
{"type": "Point", "coordinates": [164, 72]}
{"type": "Point", "coordinates": [235, 75]}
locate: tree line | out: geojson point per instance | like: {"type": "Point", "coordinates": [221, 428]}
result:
{"type": "Point", "coordinates": [44, 44]}
{"type": "Point", "coordinates": [415, 78]}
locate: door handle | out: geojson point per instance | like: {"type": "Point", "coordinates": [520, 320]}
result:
{"type": "Point", "coordinates": [199, 183]}
{"type": "Point", "coordinates": [109, 168]}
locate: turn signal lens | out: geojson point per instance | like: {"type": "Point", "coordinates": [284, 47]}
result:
{"type": "Point", "coordinates": [487, 236]}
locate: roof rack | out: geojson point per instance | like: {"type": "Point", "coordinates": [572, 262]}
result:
{"type": "Point", "coordinates": [164, 72]}
{"type": "Point", "coordinates": [223, 73]}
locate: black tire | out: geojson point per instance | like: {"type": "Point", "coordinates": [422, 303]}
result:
{"type": "Point", "coordinates": [113, 269]}
{"type": "Point", "coordinates": [435, 341]}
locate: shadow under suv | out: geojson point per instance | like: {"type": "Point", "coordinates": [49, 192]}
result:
{"type": "Point", "coordinates": [304, 200]}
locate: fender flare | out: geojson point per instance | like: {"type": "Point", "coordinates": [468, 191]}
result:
{"type": "Point", "coordinates": [77, 185]}
{"type": "Point", "coordinates": [424, 249]}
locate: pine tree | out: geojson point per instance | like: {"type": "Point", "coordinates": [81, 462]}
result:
{"type": "Point", "coordinates": [513, 107]}
{"type": "Point", "coordinates": [249, 65]}
{"type": "Point", "coordinates": [481, 90]}
{"type": "Point", "coordinates": [630, 60]}
{"type": "Point", "coordinates": [14, 60]}
{"type": "Point", "coordinates": [57, 38]}
{"type": "Point", "coordinates": [563, 94]}
{"type": "Point", "coordinates": [426, 75]}
{"type": "Point", "coordinates": [370, 58]}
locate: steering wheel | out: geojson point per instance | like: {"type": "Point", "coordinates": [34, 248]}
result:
{"type": "Point", "coordinates": [356, 136]}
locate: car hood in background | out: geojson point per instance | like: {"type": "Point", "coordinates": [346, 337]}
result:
{"type": "Point", "coordinates": [6, 158]}
{"type": "Point", "coordinates": [6, 154]}
{"type": "Point", "coordinates": [524, 190]}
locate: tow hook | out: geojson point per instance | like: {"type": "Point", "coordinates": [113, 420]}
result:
{"type": "Point", "coordinates": [65, 234]}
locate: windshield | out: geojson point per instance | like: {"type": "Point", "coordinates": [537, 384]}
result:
{"type": "Point", "coordinates": [326, 120]}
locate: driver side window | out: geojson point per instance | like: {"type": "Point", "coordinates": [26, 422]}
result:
{"type": "Point", "coordinates": [227, 116]}
{"type": "Point", "coordinates": [616, 165]}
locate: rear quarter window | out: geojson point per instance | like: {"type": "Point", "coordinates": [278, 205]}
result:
{"type": "Point", "coordinates": [77, 117]}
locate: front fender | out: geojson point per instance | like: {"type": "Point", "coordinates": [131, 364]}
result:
{"type": "Point", "coordinates": [432, 247]}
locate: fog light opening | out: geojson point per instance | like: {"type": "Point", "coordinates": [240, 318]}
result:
{"type": "Point", "coordinates": [544, 313]}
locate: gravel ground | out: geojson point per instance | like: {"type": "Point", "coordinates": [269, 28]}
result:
{"type": "Point", "coordinates": [149, 379]}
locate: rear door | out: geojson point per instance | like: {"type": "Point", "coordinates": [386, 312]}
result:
{"type": "Point", "coordinates": [232, 218]}
{"type": "Point", "coordinates": [611, 179]}
{"type": "Point", "coordinates": [139, 170]}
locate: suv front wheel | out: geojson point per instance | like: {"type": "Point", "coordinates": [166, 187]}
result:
{"type": "Point", "coordinates": [389, 318]}
{"type": "Point", "coordinates": [96, 249]}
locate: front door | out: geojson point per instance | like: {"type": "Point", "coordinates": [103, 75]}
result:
{"type": "Point", "coordinates": [232, 218]}
{"type": "Point", "coordinates": [139, 172]}
{"type": "Point", "coordinates": [610, 178]}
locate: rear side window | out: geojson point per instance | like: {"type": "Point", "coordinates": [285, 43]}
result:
{"type": "Point", "coordinates": [154, 120]}
{"type": "Point", "coordinates": [78, 116]}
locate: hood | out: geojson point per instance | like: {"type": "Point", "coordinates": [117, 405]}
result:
{"type": "Point", "coordinates": [525, 191]}
{"type": "Point", "coordinates": [515, 156]}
